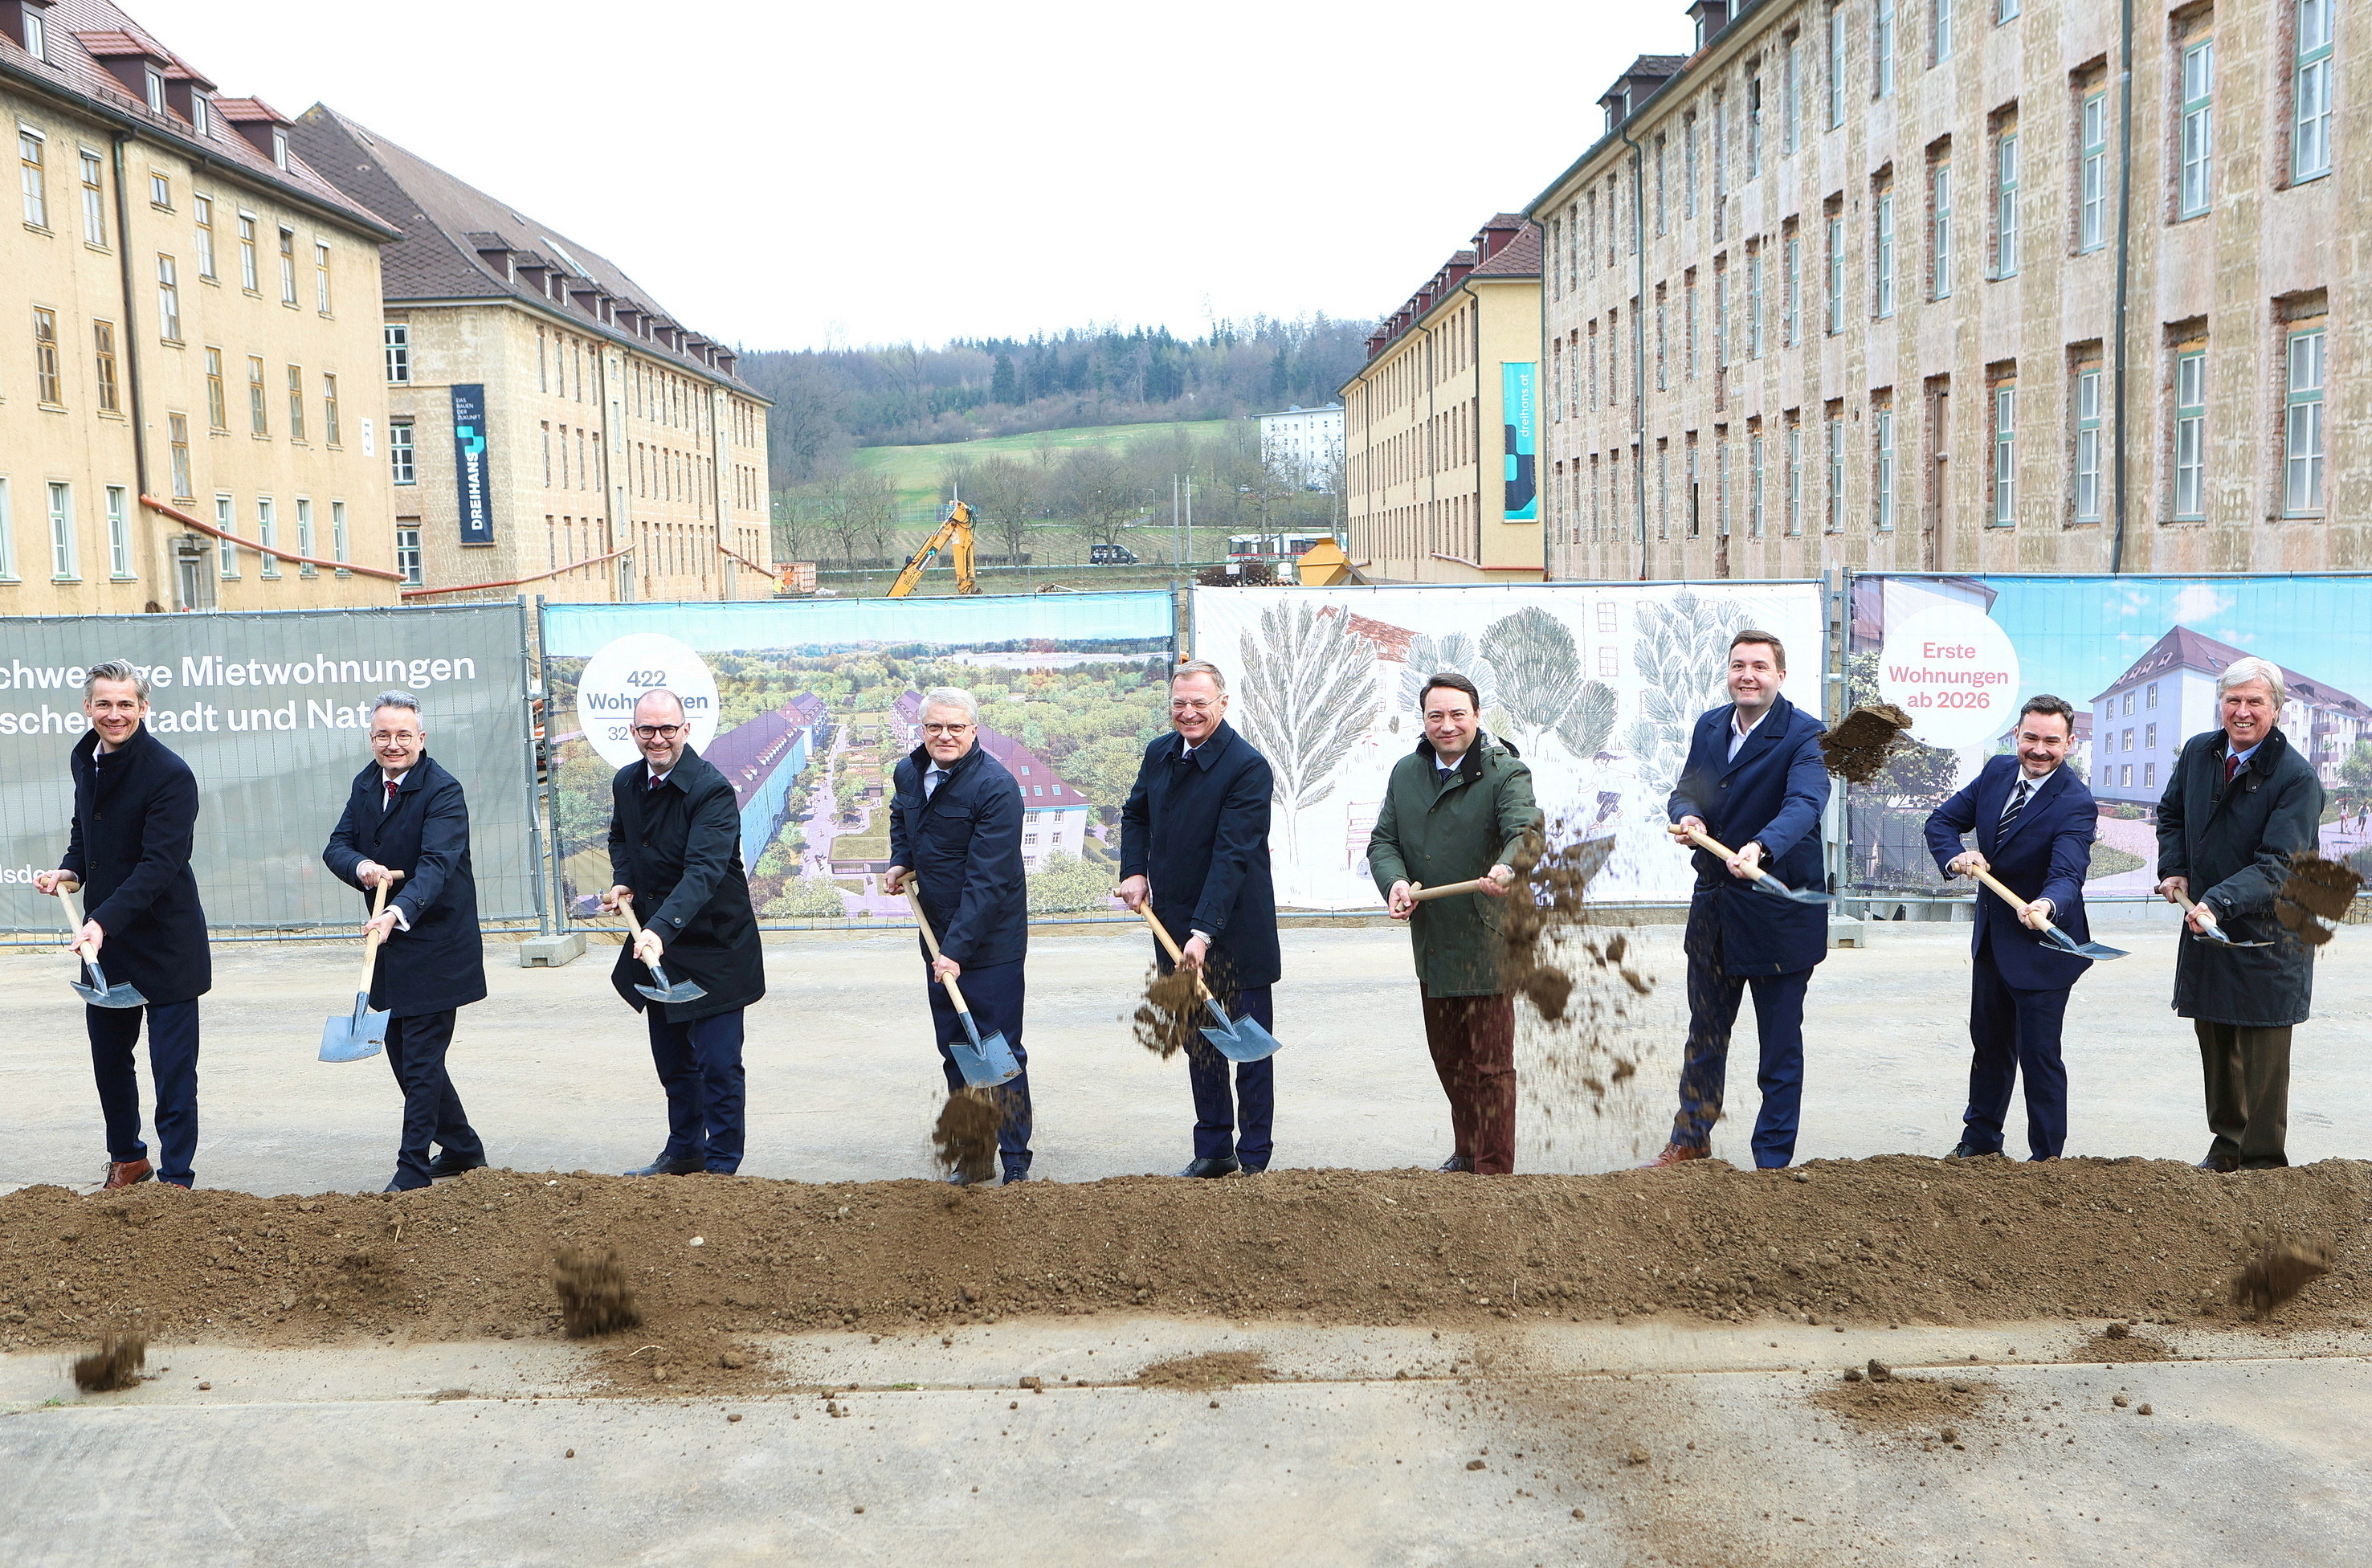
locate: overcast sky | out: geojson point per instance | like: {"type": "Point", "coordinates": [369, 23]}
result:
{"type": "Point", "coordinates": [800, 175]}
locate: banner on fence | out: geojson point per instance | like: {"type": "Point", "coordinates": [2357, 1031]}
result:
{"type": "Point", "coordinates": [2138, 658]}
{"type": "Point", "coordinates": [1598, 685]}
{"type": "Point", "coordinates": [806, 706]}
{"type": "Point", "coordinates": [271, 712]}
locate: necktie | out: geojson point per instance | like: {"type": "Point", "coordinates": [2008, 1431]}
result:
{"type": "Point", "coordinates": [390, 801]}
{"type": "Point", "coordinates": [930, 781]}
{"type": "Point", "coordinates": [2016, 805]}
{"type": "Point", "coordinates": [656, 781]}
{"type": "Point", "coordinates": [2231, 766]}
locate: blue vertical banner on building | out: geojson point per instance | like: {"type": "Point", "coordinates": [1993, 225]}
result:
{"type": "Point", "coordinates": [469, 464]}
{"type": "Point", "coordinates": [1519, 407]}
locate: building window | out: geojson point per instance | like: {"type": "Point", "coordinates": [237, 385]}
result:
{"type": "Point", "coordinates": [2302, 428]}
{"type": "Point", "coordinates": [287, 266]}
{"type": "Point", "coordinates": [1688, 327]}
{"type": "Point", "coordinates": [321, 277]}
{"type": "Point", "coordinates": [280, 146]}
{"type": "Point", "coordinates": [2004, 11]}
{"type": "Point", "coordinates": [256, 423]}
{"type": "Point", "coordinates": [119, 533]}
{"type": "Point", "coordinates": [1754, 303]}
{"type": "Point", "coordinates": [2092, 183]}
{"type": "Point", "coordinates": [37, 34]}
{"type": "Point", "coordinates": [1881, 49]}
{"type": "Point", "coordinates": [226, 552]}
{"type": "Point", "coordinates": [304, 536]}
{"type": "Point", "coordinates": [1941, 33]}
{"type": "Point", "coordinates": [339, 542]}
{"type": "Point", "coordinates": [330, 431]}
{"type": "Point", "coordinates": [247, 251]}
{"type": "Point", "coordinates": [160, 192]}
{"type": "Point", "coordinates": [178, 426]}
{"type": "Point", "coordinates": [1836, 274]}
{"type": "Point", "coordinates": [1753, 127]}
{"type": "Point", "coordinates": [266, 526]}
{"type": "Point", "coordinates": [198, 117]}
{"type": "Point", "coordinates": [2005, 475]}
{"type": "Point", "coordinates": [45, 356]}
{"type": "Point", "coordinates": [1939, 196]}
{"type": "Point", "coordinates": [29, 148]}
{"type": "Point", "coordinates": [202, 209]}
{"type": "Point", "coordinates": [1881, 489]}
{"type": "Point", "coordinates": [1720, 317]}
{"type": "Point", "coordinates": [218, 411]}
{"type": "Point", "coordinates": [64, 562]}
{"type": "Point", "coordinates": [1688, 166]}
{"type": "Point", "coordinates": [2006, 205]}
{"type": "Point", "coordinates": [2310, 92]}
{"type": "Point", "coordinates": [168, 300]}
{"type": "Point", "coordinates": [2087, 443]}
{"type": "Point", "coordinates": [1794, 478]}
{"type": "Point", "coordinates": [1836, 518]}
{"type": "Point", "coordinates": [8, 537]}
{"type": "Point", "coordinates": [94, 201]}
{"type": "Point", "coordinates": [1791, 306]}
{"type": "Point", "coordinates": [407, 555]}
{"type": "Point", "coordinates": [2198, 129]}
{"type": "Point", "coordinates": [1791, 95]}
{"type": "Point", "coordinates": [1882, 219]}
{"type": "Point", "coordinates": [102, 334]}
{"type": "Point", "coordinates": [2191, 436]}
{"type": "Point", "coordinates": [1754, 485]}
{"type": "Point", "coordinates": [296, 403]}
{"type": "Point", "coordinates": [399, 451]}
{"type": "Point", "coordinates": [1836, 65]}
{"type": "Point", "coordinates": [399, 354]}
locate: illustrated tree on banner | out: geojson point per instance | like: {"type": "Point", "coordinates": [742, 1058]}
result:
{"type": "Point", "coordinates": [1430, 655]}
{"type": "Point", "coordinates": [1309, 693]}
{"type": "Point", "coordinates": [1682, 649]}
{"type": "Point", "coordinates": [1542, 691]}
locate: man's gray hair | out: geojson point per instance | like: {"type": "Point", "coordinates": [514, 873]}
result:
{"type": "Point", "coordinates": [397, 700]}
{"type": "Point", "coordinates": [115, 669]}
{"type": "Point", "coordinates": [2240, 671]}
{"type": "Point", "coordinates": [951, 697]}
{"type": "Point", "coordinates": [662, 692]}
{"type": "Point", "coordinates": [1201, 667]}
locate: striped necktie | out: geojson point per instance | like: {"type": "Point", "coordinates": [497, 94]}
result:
{"type": "Point", "coordinates": [2016, 805]}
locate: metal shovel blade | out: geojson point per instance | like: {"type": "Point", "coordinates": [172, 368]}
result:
{"type": "Point", "coordinates": [984, 1063]}
{"type": "Point", "coordinates": [98, 993]}
{"type": "Point", "coordinates": [2066, 944]}
{"type": "Point", "coordinates": [1777, 888]}
{"type": "Point", "coordinates": [1239, 1040]}
{"type": "Point", "coordinates": [679, 991]}
{"type": "Point", "coordinates": [2215, 933]}
{"type": "Point", "coordinates": [354, 1038]}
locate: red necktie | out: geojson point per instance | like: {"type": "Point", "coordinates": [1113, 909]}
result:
{"type": "Point", "coordinates": [390, 793]}
{"type": "Point", "coordinates": [654, 784]}
{"type": "Point", "coordinates": [2231, 766]}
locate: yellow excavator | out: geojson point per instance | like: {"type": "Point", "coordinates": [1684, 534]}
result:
{"type": "Point", "coordinates": [953, 535]}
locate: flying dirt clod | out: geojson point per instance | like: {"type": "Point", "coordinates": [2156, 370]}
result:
{"type": "Point", "coordinates": [115, 1364]}
{"type": "Point", "coordinates": [1858, 748]}
{"type": "Point", "coordinates": [965, 1138]}
{"type": "Point", "coordinates": [2278, 1273]}
{"type": "Point", "coordinates": [594, 1296]}
{"type": "Point", "coordinates": [2316, 887]}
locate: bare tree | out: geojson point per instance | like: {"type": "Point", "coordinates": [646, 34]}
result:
{"type": "Point", "coordinates": [1004, 495]}
{"type": "Point", "coordinates": [1309, 693]}
{"type": "Point", "coordinates": [1092, 485]}
{"type": "Point", "coordinates": [840, 518]}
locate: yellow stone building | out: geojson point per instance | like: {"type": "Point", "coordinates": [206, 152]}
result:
{"type": "Point", "coordinates": [191, 414]}
{"type": "Point", "coordinates": [1440, 427]}
{"type": "Point", "coordinates": [554, 430]}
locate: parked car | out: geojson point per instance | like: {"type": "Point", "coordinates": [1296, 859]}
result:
{"type": "Point", "coordinates": [1110, 556]}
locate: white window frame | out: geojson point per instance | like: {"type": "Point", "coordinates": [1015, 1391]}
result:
{"type": "Point", "coordinates": [1942, 30]}
{"type": "Point", "coordinates": [1793, 457]}
{"type": "Point", "coordinates": [1754, 303]}
{"type": "Point", "coordinates": [2194, 188]}
{"type": "Point", "coordinates": [1791, 95]}
{"type": "Point", "coordinates": [1836, 64]}
{"type": "Point", "coordinates": [1754, 485]}
{"type": "Point", "coordinates": [2191, 436]}
{"type": "Point", "coordinates": [2092, 176]}
{"type": "Point", "coordinates": [65, 558]}
{"type": "Point", "coordinates": [226, 552]}
{"type": "Point", "coordinates": [1881, 49]}
{"type": "Point", "coordinates": [1836, 274]}
{"type": "Point", "coordinates": [1882, 218]}
{"type": "Point", "coordinates": [403, 457]}
{"type": "Point", "coordinates": [341, 541]}
{"type": "Point", "coordinates": [1940, 237]}
{"type": "Point", "coordinates": [1836, 519]}
{"type": "Point", "coordinates": [267, 528]}
{"type": "Point", "coordinates": [1791, 306]}
{"type": "Point", "coordinates": [2310, 97]}
{"type": "Point", "coordinates": [7, 535]}
{"type": "Point", "coordinates": [407, 555]}
{"type": "Point", "coordinates": [202, 219]}
{"type": "Point", "coordinates": [2303, 443]}
{"type": "Point", "coordinates": [94, 198]}
{"type": "Point", "coordinates": [33, 175]}
{"type": "Point", "coordinates": [2087, 443]}
{"type": "Point", "coordinates": [118, 535]}
{"type": "Point", "coordinates": [2004, 508]}
{"type": "Point", "coordinates": [396, 336]}
{"type": "Point", "coordinates": [2005, 205]}
{"type": "Point", "coordinates": [249, 277]}
{"type": "Point", "coordinates": [169, 300]}
{"type": "Point", "coordinates": [1882, 425]}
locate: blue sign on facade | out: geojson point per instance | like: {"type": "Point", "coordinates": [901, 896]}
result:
{"type": "Point", "coordinates": [470, 474]}
{"type": "Point", "coordinates": [1522, 503]}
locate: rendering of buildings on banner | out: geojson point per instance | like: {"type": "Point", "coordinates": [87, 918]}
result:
{"type": "Point", "coordinates": [1439, 427]}
{"type": "Point", "coordinates": [2169, 695]}
{"type": "Point", "coordinates": [1841, 286]}
{"type": "Point", "coordinates": [764, 759]}
{"type": "Point", "coordinates": [1054, 816]}
{"type": "Point", "coordinates": [192, 343]}
{"type": "Point", "coordinates": [551, 422]}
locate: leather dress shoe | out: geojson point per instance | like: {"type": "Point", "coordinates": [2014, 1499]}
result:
{"type": "Point", "coordinates": [1013, 1174]}
{"type": "Point", "coordinates": [1964, 1150]}
{"type": "Point", "coordinates": [396, 1186]}
{"type": "Point", "coordinates": [127, 1173]}
{"type": "Point", "coordinates": [666, 1167]}
{"type": "Point", "coordinates": [2222, 1164]}
{"type": "Point", "coordinates": [1676, 1153]}
{"type": "Point", "coordinates": [1225, 1165]}
{"type": "Point", "coordinates": [1456, 1163]}
{"type": "Point", "coordinates": [444, 1166]}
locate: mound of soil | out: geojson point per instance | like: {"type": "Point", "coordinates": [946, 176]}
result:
{"type": "Point", "coordinates": [1211, 1369]}
{"type": "Point", "coordinates": [2117, 1342]}
{"type": "Point", "coordinates": [1891, 1403]}
{"type": "Point", "coordinates": [116, 1364]}
{"type": "Point", "coordinates": [965, 1139]}
{"type": "Point", "coordinates": [1898, 1238]}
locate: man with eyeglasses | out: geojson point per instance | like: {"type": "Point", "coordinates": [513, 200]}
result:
{"type": "Point", "coordinates": [954, 827]}
{"type": "Point", "coordinates": [1193, 840]}
{"type": "Point", "coordinates": [405, 813]}
{"type": "Point", "coordinates": [674, 855]}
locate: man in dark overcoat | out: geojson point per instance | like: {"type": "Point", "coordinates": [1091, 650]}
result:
{"type": "Point", "coordinates": [2034, 822]}
{"type": "Point", "coordinates": [136, 812]}
{"type": "Point", "coordinates": [2240, 799]}
{"type": "Point", "coordinates": [675, 854]}
{"type": "Point", "coordinates": [955, 830]}
{"type": "Point", "coordinates": [1193, 840]}
{"type": "Point", "coordinates": [406, 814]}
{"type": "Point", "coordinates": [1755, 783]}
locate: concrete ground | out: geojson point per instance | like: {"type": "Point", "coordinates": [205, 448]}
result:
{"type": "Point", "coordinates": [1678, 1443]}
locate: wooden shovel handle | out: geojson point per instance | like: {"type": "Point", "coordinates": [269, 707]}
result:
{"type": "Point", "coordinates": [931, 941]}
{"type": "Point", "coordinates": [1989, 880]}
{"type": "Point", "coordinates": [1706, 841]}
{"type": "Point", "coordinates": [1420, 892]}
{"type": "Point", "coordinates": [67, 886]}
{"type": "Point", "coordinates": [1161, 933]}
{"type": "Point", "coordinates": [388, 878]}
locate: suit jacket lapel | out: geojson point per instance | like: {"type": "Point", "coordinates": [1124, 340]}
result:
{"type": "Point", "coordinates": [1764, 735]}
{"type": "Point", "coordinates": [2034, 802]}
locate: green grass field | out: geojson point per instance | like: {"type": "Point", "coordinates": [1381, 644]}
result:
{"type": "Point", "coordinates": [916, 471]}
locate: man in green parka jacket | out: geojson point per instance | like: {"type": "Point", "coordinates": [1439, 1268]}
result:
{"type": "Point", "coordinates": [1458, 809]}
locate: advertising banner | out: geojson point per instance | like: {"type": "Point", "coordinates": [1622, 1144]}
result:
{"type": "Point", "coordinates": [1519, 407]}
{"type": "Point", "coordinates": [2137, 657]}
{"type": "Point", "coordinates": [808, 705]}
{"type": "Point", "coordinates": [477, 508]}
{"type": "Point", "coordinates": [272, 713]}
{"type": "Point", "coordinates": [1598, 685]}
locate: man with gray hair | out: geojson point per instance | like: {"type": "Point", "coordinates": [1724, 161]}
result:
{"type": "Point", "coordinates": [136, 812]}
{"type": "Point", "coordinates": [405, 816]}
{"type": "Point", "coordinates": [2240, 799]}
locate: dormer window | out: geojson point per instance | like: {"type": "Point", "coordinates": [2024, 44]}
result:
{"type": "Point", "coordinates": [198, 115]}
{"type": "Point", "coordinates": [280, 146]}
{"type": "Point", "coordinates": [37, 33]}
{"type": "Point", "coordinates": [156, 83]}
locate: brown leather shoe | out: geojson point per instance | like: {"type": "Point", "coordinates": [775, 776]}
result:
{"type": "Point", "coordinates": [127, 1173]}
{"type": "Point", "coordinates": [1676, 1153]}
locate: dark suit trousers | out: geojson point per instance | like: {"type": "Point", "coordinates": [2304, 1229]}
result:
{"type": "Point", "coordinates": [1714, 996]}
{"type": "Point", "coordinates": [1235, 1123]}
{"type": "Point", "coordinates": [699, 1064]}
{"type": "Point", "coordinates": [995, 994]}
{"type": "Point", "coordinates": [2248, 1074]}
{"type": "Point", "coordinates": [1473, 1043]}
{"type": "Point", "coordinates": [172, 1061]}
{"type": "Point", "coordinates": [2015, 1032]}
{"type": "Point", "coordinates": [432, 1111]}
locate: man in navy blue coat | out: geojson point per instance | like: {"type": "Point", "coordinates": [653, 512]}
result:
{"type": "Point", "coordinates": [136, 812]}
{"type": "Point", "coordinates": [1755, 783]}
{"type": "Point", "coordinates": [954, 827]}
{"type": "Point", "coordinates": [404, 813]}
{"type": "Point", "coordinates": [1193, 838]}
{"type": "Point", "coordinates": [2034, 822]}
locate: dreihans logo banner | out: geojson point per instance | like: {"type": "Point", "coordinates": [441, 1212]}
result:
{"type": "Point", "coordinates": [469, 475]}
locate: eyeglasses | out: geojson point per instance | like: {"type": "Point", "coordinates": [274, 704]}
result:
{"type": "Point", "coordinates": [1190, 704]}
{"type": "Point", "coordinates": [945, 728]}
{"type": "Point", "coordinates": [392, 737]}
{"type": "Point", "coordinates": [658, 731]}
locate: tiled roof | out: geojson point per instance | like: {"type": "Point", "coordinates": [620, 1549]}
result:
{"type": "Point", "coordinates": [1521, 259]}
{"type": "Point", "coordinates": [1026, 766]}
{"type": "Point", "coordinates": [447, 222]}
{"type": "Point", "coordinates": [83, 33]}
{"type": "Point", "coordinates": [2182, 648]}
{"type": "Point", "coordinates": [749, 753]}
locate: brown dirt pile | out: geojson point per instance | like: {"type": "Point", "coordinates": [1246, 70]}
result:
{"type": "Point", "coordinates": [1211, 1369]}
{"type": "Point", "coordinates": [1858, 748]}
{"type": "Point", "coordinates": [1889, 1404]}
{"type": "Point", "coordinates": [965, 1139]}
{"type": "Point", "coordinates": [594, 1296]}
{"type": "Point", "coordinates": [2117, 1342]}
{"type": "Point", "coordinates": [116, 1364]}
{"type": "Point", "coordinates": [2316, 887]}
{"type": "Point", "coordinates": [1894, 1239]}
{"type": "Point", "coordinates": [2268, 1280]}
{"type": "Point", "coordinates": [1168, 1019]}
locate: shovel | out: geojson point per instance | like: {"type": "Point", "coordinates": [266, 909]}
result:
{"type": "Point", "coordinates": [99, 992]}
{"type": "Point", "coordinates": [1238, 1039]}
{"type": "Point", "coordinates": [2214, 933]}
{"type": "Point", "coordinates": [2051, 934]}
{"type": "Point", "coordinates": [679, 991]}
{"type": "Point", "coordinates": [1764, 880]}
{"type": "Point", "coordinates": [1587, 858]}
{"type": "Point", "coordinates": [351, 1038]}
{"type": "Point", "coordinates": [984, 1063]}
